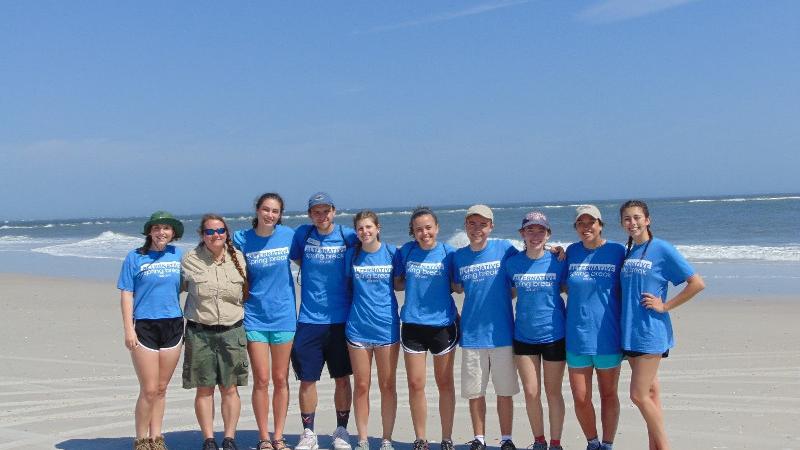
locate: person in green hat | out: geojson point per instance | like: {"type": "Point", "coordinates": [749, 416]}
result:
{"type": "Point", "coordinates": [149, 284]}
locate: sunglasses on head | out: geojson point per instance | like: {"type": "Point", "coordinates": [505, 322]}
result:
{"type": "Point", "coordinates": [213, 231]}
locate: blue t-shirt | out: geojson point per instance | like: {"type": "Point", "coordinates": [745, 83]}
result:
{"type": "Point", "coordinates": [373, 316]}
{"type": "Point", "coordinates": [540, 313]}
{"type": "Point", "coordinates": [487, 316]}
{"type": "Point", "coordinates": [593, 301]}
{"type": "Point", "coordinates": [272, 305]}
{"type": "Point", "coordinates": [323, 293]}
{"type": "Point", "coordinates": [427, 273]}
{"type": "Point", "coordinates": [645, 330]}
{"type": "Point", "coordinates": [155, 280]}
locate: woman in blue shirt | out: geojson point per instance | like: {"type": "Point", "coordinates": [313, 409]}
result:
{"type": "Point", "coordinates": [149, 284]}
{"type": "Point", "coordinates": [373, 325]}
{"type": "Point", "coordinates": [650, 265]}
{"type": "Point", "coordinates": [592, 326]}
{"type": "Point", "coordinates": [270, 315]}
{"type": "Point", "coordinates": [424, 269]}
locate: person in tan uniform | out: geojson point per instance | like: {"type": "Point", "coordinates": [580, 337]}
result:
{"type": "Point", "coordinates": [213, 274]}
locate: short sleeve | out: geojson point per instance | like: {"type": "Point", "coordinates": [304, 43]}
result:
{"type": "Point", "coordinates": [239, 239]}
{"type": "Point", "coordinates": [296, 252]}
{"type": "Point", "coordinates": [348, 262]}
{"type": "Point", "coordinates": [676, 268]}
{"type": "Point", "coordinates": [399, 263]}
{"type": "Point", "coordinates": [127, 273]}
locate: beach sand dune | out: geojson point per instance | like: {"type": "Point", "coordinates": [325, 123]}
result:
{"type": "Point", "coordinates": [67, 382]}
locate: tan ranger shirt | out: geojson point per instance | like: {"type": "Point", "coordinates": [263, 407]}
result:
{"type": "Point", "coordinates": [215, 288]}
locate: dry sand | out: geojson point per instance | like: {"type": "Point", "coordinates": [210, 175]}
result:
{"type": "Point", "coordinates": [67, 382]}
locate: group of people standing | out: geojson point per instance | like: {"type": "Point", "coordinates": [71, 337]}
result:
{"type": "Point", "coordinates": [241, 311]}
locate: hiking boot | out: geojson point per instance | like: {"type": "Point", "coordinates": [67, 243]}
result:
{"type": "Point", "coordinates": [341, 439]}
{"type": "Point", "coordinates": [476, 445]}
{"type": "Point", "coordinates": [507, 445]}
{"type": "Point", "coordinates": [229, 444]}
{"type": "Point", "coordinates": [420, 444]}
{"type": "Point", "coordinates": [308, 441]}
{"type": "Point", "coordinates": [210, 444]}
{"type": "Point", "coordinates": [142, 444]}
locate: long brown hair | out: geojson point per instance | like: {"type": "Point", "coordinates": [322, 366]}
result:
{"type": "Point", "coordinates": [643, 206]}
{"type": "Point", "coordinates": [261, 199]}
{"type": "Point", "coordinates": [228, 244]}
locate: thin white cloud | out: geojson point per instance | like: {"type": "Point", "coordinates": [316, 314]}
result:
{"type": "Point", "coordinates": [617, 10]}
{"type": "Point", "coordinates": [444, 17]}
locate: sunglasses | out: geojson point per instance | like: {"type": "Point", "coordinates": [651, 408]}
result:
{"type": "Point", "coordinates": [213, 231]}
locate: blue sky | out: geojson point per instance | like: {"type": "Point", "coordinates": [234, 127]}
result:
{"type": "Point", "coordinates": [121, 108]}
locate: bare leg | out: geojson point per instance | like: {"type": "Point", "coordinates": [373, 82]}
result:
{"type": "Point", "coordinates": [259, 362]}
{"type": "Point", "coordinates": [231, 408]}
{"type": "Point", "coordinates": [580, 381]}
{"type": "Point", "coordinates": [415, 373]}
{"type": "Point", "coordinates": [386, 361]}
{"type": "Point", "coordinates": [280, 354]}
{"type": "Point", "coordinates": [167, 360]}
{"type": "Point", "coordinates": [343, 394]}
{"type": "Point", "coordinates": [644, 371]}
{"type": "Point", "coordinates": [145, 363]}
{"type": "Point", "coordinates": [308, 397]}
{"type": "Point", "coordinates": [443, 373]}
{"type": "Point", "coordinates": [530, 375]}
{"type": "Point", "coordinates": [505, 413]}
{"type": "Point", "coordinates": [477, 413]}
{"type": "Point", "coordinates": [607, 381]}
{"type": "Point", "coordinates": [361, 360]}
{"type": "Point", "coordinates": [553, 377]}
{"type": "Point", "coordinates": [204, 410]}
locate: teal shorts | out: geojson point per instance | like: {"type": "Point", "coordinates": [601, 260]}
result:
{"type": "Point", "coordinates": [597, 361]}
{"type": "Point", "coordinates": [270, 337]}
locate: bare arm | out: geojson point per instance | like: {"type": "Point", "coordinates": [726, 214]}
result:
{"type": "Point", "coordinates": [399, 283]}
{"type": "Point", "coordinates": [513, 292]}
{"type": "Point", "coordinates": [126, 304]}
{"type": "Point", "coordinates": [457, 288]}
{"type": "Point", "coordinates": [299, 262]}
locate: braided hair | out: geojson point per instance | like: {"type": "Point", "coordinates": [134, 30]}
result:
{"type": "Point", "coordinates": [262, 199]}
{"type": "Point", "coordinates": [230, 248]}
{"type": "Point", "coordinates": [643, 206]}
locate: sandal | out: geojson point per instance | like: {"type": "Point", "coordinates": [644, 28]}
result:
{"type": "Point", "coordinates": [280, 444]}
{"type": "Point", "coordinates": [264, 444]}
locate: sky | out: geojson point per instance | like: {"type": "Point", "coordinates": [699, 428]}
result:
{"type": "Point", "coordinates": [122, 108]}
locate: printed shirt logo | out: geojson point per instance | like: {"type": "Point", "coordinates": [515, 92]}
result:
{"type": "Point", "coordinates": [479, 271]}
{"type": "Point", "coordinates": [535, 281]}
{"type": "Point", "coordinates": [425, 269]}
{"type": "Point", "coordinates": [325, 254]}
{"type": "Point", "coordinates": [589, 271]}
{"type": "Point", "coordinates": [372, 273]}
{"type": "Point", "coordinates": [267, 258]}
{"type": "Point", "coordinates": [160, 269]}
{"type": "Point", "coordinates": [636, 267]}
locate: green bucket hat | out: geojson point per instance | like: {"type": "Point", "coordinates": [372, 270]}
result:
{"type": "Point", "coordinates": [165, 218]}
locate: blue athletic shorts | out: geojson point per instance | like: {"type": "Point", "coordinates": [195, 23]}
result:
{"type": "Point", "coordinates": [597, 361]}
{"type": "Point", "coordinates": [318, 344]}
{"type": "Point", "coordinates": [270, 337]}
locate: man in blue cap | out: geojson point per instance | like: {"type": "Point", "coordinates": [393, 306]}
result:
{"type": "Point", "coordinates": [319, 248]}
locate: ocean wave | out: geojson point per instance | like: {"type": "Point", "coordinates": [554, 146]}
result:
{"type": "Point", "coordinates": [745, 199]}
{"type": "Point", "coordinates": [107, 245]}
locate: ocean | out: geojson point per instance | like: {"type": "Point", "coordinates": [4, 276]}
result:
{"type": "Point", "coordinates": [740, 244]}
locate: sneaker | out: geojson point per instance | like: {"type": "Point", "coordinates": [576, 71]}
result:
{"type": "Point", "coordinates": [538, 446]}
{"type": "Point", "coordinates": [142, 444]}
{"type": "Point", "coordinates": [280, 444]}
{"type": "Point", "coordinates": [555, 447]}
{"type": "Point", "coordinates": [476, 445]}
{"type": "Point", "coordinates": [341, 439]}
{"type": "Point", "coordinates": [593, 446]}
{"type": "Point", "coordinates": [264, 444]}
{"type": "Point", "coordinates": [158, 444]}
{"type": "Point", "coordinates": [447, 444]}
{"type": "Point", "coordinates": [363, 445]}
{"type": "Point", "coordinates": [420, 444]}
{"type": "Point", "coordinates": [386, 445]}
{"type": "Point", "coordinates": [229, 444]}
{"type": "Point", "coordinates": [210, 444]}
{"type": "Point", "coordinates": [507, 445]}
{"type": "Point", "coordinates": [308, 441]}
{"type": "Point", "coordinates": [605, 446]}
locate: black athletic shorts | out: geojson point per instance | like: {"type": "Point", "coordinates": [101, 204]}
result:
{"type": "Point", "coordinates": [632, 354]}
{"type": "Point", "coordinates": [551, 351]}
{"type": "Point", "coordinates": [159, 334]}
{"type": "Point", "coordinates": [425, 338]}
{"type": "Point", "coordinates": [316, 345]}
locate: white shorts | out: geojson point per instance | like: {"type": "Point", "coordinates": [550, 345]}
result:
{"type": "Point", "coordinates": [478, 363]}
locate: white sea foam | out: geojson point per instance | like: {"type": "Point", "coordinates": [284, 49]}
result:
{"type": "Point", "coordinates": [743, 199]}
{"type": "Point", "coordinates": [699, 253]}
{"type": "Point", "coordinates": [108, 245]}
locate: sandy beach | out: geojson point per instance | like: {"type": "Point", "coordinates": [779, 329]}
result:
{"type": "Point", "coordinates": [733, 380]}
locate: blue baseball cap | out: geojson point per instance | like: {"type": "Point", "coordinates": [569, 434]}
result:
{"type": "Point", "coordinates": [320, 198]}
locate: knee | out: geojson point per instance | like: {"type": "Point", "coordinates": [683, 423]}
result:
{"type": "Point", "coordinates": [280, 382]}
{"type": "Point", "coordinates": [362, 386]}
{"type": "Point", "coordinates": [416, 384]}
{"type": "Point", "coordinates": [152, 393]}
{"type": "Point", "coordinates": [388, 386]}
{"type": "Point", "coordinates": [532, 392]}
{"type": "Point", "coordinates": [639, 398]}
{"type": "Point", "coordinates": [342, 383]}
{"type": "Point", "coordinates": [445, 385]}
{"type": "Point", "coordinates": [260, 383]}
{"type": "Point", "coordinates": [582, 399]}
